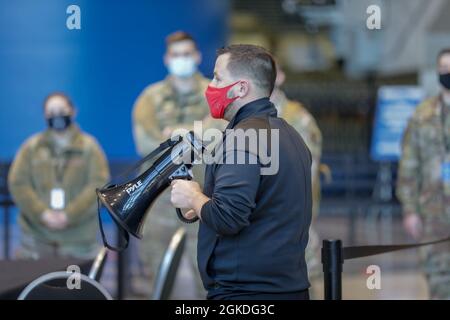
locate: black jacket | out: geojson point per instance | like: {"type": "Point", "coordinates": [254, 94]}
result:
{"type": "Point", "coordinates": [254, 230]}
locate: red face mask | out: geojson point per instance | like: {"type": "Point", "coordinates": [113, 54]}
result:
{"type": "Point", "coordinates": [218, 101]}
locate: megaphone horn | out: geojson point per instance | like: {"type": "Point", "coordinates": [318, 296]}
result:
{"type": "Point", "coordinates": [129, 203]}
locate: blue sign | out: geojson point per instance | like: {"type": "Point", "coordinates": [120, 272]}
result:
{"type": "Point", "coordinates": [395, 106]}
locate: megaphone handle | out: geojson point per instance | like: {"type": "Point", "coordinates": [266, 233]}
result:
{"type": "Point", "coordinates": [183, 172]}
{"type": "Point", "coordinates": [183, 219]}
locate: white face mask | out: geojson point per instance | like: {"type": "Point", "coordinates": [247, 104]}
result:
{"type": "Point", "coordinates": [183, 67]}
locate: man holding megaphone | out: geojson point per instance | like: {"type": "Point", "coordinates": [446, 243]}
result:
{"type": "Point", "coordinates": [253, 222]}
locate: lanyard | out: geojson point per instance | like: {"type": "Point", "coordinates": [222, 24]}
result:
{"type": "Point", "coordinates": [60, 165]}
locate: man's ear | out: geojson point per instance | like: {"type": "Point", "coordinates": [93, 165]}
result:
{"type": "Point", "coordinates": [242, 88]}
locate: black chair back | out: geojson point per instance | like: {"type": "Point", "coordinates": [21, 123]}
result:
{"type": "Point", "coordinates": [169, 266]}
{"type": "Point", "coordinates": [58, 286]}
{"type": "Point", "coordinates": [99, 264]}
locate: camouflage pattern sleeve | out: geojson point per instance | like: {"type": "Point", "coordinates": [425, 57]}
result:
{"type": "Point", "coordinates": [21, 187]}
{"type": "Point", "coordinates": [302, 121]}
{"type": "Point", "coordinates": [409, 171]}
{"type": "Point", "coordinates": [314, 142]}
{"type": "Point", "coordinates": [146, 131]}
{"type": "Point", "coordinates": [305, 124]}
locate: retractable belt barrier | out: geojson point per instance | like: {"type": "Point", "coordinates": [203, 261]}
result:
{"type": "Point", "coordinates": [333, 256]}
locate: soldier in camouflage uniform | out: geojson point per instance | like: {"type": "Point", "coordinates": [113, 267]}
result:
{"type": "Point", "coordinates": [176, 102]}
{"type": "Point", "coordinates": [423, 184]}
{"type": "Point", "coordinates": [299, 118]}
{"type": "Point", "coordinates": [53, 180]}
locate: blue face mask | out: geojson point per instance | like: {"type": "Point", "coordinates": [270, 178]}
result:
{"type": "Point", "coordinates": [59, 123]}
{"type": "Point", "coordinates": [183, 67]}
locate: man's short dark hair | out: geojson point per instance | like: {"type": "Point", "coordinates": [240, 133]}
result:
{"type": "Point", "coordinates": [442, 53]}
{"type": "Point", "coordinates": [59, 94]}
{"type": "Point", "coordinates": [179, 36]}
{"type": "Point", "coordinates": [253, 61]}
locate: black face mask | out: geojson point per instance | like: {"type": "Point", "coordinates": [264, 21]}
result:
{"type": "Point", "coordinates": [59, 123]}
{"type": "Point", "coordinates": [444, 79]}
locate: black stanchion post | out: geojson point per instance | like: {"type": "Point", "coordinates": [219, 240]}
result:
{"type": "Point", "coordinates": [332, 260]}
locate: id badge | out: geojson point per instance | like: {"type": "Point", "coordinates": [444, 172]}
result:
{"type": "Point", "coordinates": [57, 199]}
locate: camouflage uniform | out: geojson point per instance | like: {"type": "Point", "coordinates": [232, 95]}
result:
{"type": "Point", "coordinates": [298, 117]}
{"type": "Point", "coordinates": [423, 186]}
{"type": "Point", "coordinates": [39, 166]}
{"type": "Point", "coordinates": [160, 106]}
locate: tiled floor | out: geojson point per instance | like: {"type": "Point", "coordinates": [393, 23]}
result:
{"type": "Point", "coordinates": [400, 274]}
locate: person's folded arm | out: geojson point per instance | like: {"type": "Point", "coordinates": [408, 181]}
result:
{"type": "Point", "coordinates": [233, 199]}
